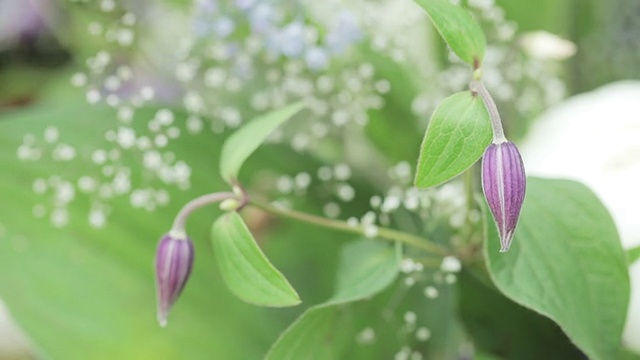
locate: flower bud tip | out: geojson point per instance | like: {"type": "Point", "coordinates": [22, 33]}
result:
{"type": "Point", "coordinates": [162, 320]}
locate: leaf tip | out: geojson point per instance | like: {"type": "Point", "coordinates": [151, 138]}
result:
{"type": "Point", "coordinates": [294, 298]}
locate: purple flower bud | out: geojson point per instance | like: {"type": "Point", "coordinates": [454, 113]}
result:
{"type": "Point", "coordinates": [174, 260]}
{"type": "Point", "coordinates": [504, 183]}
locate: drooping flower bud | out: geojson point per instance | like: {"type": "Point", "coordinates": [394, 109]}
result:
{"type": "Point", "coordinates": [174, 259]}
{"type": "Point", "coordinates": [504, 183]}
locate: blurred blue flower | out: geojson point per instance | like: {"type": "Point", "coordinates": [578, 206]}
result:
{"type": "Point", "coordinates": [23, 20]}
{"type": "Point", "coordinates": [290, 39]}
{"type": "Point", "coordinates": [206, 7]}
{"type": "Point", "coordinates": [224, 27]}
{"type": "Point", "coordinates": [244, 4]}
{"type": "Point", "coordinates": [202, 27]}
{"type": "Point", "coordinates": [316, 58]}
{"type": "Point", "coordinates": [344, 33]}
{"type": "Point", "coordinates": [262, 17]}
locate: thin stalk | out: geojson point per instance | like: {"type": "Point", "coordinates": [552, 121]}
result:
{"type": "Point", "coordinates": [386, 233]}
{"type": "Point", "coordinates": [496, 123]}
{"type": "Point", "coordinates": [178, 228]}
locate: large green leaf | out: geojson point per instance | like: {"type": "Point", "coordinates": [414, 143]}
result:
{"type": "Point", "coordinates": [366, 268]}
{"type": "Point", "coordinates": [248, 138]}
{"type": "Point", "coordinates": [245, 269]}
{"type": "Point", "coordinates": [505, 329]}
{"type": "Point", "coordinates": [566, 263]}
{"type": "Point", "coordinates": [458, 29]}
{"type": "Point", "coordinates": [458, 133]}
{"type": "Point", "coordinates": [96, 286]}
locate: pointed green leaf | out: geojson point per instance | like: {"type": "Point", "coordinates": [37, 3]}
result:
{"type": "Point", "coordinates": [566, 263]}
{"type": "Point", "coordinates": [633, 254]}
{"type": "Point", "coordinates": [245, 269]}
{"type": "Point", "coordinates": [458, 133]}
{"type": "Point", "coordinates": [458, 29]}
{"type": "Point", "coordinates": [366, 268]}
{"type": "Point", "coordinates": [248, 138]}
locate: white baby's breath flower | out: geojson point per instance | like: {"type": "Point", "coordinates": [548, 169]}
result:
{"type": "Point", "coordinates": [547, 46]}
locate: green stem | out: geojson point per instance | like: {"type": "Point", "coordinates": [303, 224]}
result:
{"type": "Point", "coordinates": [386, 233]}
{"type": "Point", "coordinates": [180, 221]}
{"type": "Point", "coordinates": [496, 123]}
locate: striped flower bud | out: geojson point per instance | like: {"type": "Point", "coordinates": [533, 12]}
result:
{"type": "Point", "coordinates": [504, 182]}
{"type": "Point", "coordinates": [174, 259]}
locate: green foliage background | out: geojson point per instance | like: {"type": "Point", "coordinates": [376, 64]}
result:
{"type": "Point", "coordinates": [79, 293]}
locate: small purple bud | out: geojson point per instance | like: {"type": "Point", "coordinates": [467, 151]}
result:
{"type": "Point", "coordinates": [504, 182]}
{"type": "Point", "coordinates": [174, 260]}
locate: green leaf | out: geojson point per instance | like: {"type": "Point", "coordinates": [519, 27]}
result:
{"type": "Point", "coordinates": [484, 356]}
{"type": "Point", "coordinates": [501, 327]}
{"type": "Point", "coordinates": [61, 280]}
{"type": "Point", "coordinates": [366, 268]}
{"type": "Point", "coordinates": [633, 254]}
{"type": "Point", "coordinates": [626, 354]}
{"type": "Point", "coordinates": [566, 263]}
{"type": "Point", "coordinates": [82, 264]}
{"type": "Point", "coordinates": [245, 269]}
{"type": "Point", "coordinates": [241, 144]}
{"type": "Point", "coordinates": [318, 334]}
{"type": "Point", "coordinates": [458, 29]}
{"type": "Point", "coordinates": [458, 133]}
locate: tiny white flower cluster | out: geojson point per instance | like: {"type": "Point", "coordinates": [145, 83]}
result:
{"type": "Point", "coordinates": [223, 76]}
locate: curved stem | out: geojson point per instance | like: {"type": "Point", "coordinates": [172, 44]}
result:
{"type": "Point", "coordinates": [496, 123]}
{"type": "Point", "coordinates": [180, 221]}
{"type": "Point", "coordinates": [386, 233]}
